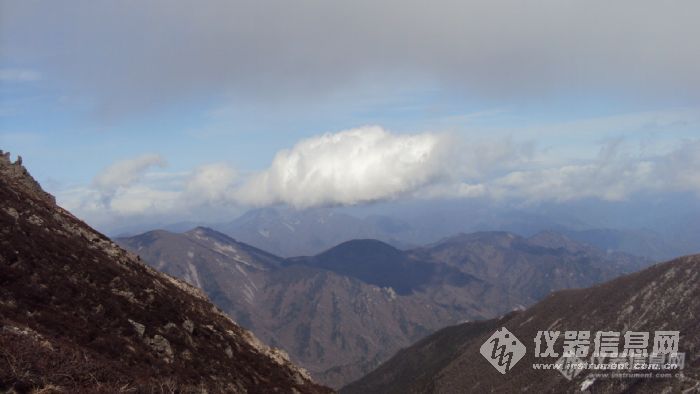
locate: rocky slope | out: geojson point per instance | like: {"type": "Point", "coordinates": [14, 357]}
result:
{"type": "Point", "coordinates": [663, 297]}
{"type": "Point", "coordinates": [80, 314]}
{"type": "Point", "coordinates": [342, 312]}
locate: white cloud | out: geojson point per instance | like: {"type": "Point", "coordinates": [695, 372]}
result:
{"type": "Point", "coordinates": [453, 190]}
{"type": "Point", "coordinates": [680, 169]}
{"type": "Point", "coordinates": [613, 182]}
{"type": "Point", "coordinates": [142, 199]}
{"type": "Point", "coordinates": [123, 174]}
{"type": "Point", "coordinates": [130, 190]}
{"type": "Point", "coordinates": [350, 167]}
{"type": "Point", "coordinates": [612, 176]}
{"type": "Point", "coordinates": [211, 183]}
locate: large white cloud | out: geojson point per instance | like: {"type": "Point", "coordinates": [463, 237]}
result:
{"type": "Point", "coordinates": [349, 167]}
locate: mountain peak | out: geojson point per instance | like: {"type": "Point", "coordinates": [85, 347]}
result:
{"type": "Point", "coordinates": [364, 246]}
{"type": "Point", "coordinates": [202, 231]}
{"type": "Point", "coordinates": [373, 262]}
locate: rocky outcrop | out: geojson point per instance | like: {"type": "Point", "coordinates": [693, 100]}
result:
{"type": "Point", "coordinates": [18, 174]}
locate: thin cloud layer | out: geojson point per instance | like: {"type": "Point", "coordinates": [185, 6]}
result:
{"type": "Point", "coordinates": [134, 56]}
{"type": "Point", "coordinates": [612, 176]}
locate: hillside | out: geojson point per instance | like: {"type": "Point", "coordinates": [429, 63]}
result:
{"type": "Point", "coordinates": [663, 297]}
{"type": "Point", "coordinates": [80, 314]}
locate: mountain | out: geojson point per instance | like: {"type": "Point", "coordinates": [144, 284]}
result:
{"type": "Point", "coordinates": [80, 314]}
{"type": "Point", "coordinates": [643, 243]}
{"type": "Point", "coordinates": [381, 264]}
{"type": "Point", "coordinates": [659, 228]}
{"type": "Point", "coordinates": [290, 232]}
{"type": "Point", "coordinates": [528, 269]}
{"type": "Point", "coordinates": [658, 231]}
{"type": "Point", "coordinates": [664, 297]}
{"type": "Point", "coordinates": [228, 271]}
{"type": "Point", "coordinates": [342, 312]}
{"type": "Point", "coordinates": [337, 326]}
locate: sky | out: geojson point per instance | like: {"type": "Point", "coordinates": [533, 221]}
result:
{"type": "Point", "coordinates": [181, 110]}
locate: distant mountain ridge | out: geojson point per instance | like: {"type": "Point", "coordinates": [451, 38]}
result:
{"type": "Point", "coordinates": [288, 232]}
{"type": "Point", "coordinates": [528, 269]}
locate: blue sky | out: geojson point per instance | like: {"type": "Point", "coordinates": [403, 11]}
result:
{"type": "Point", "coordinates": [190, 111]}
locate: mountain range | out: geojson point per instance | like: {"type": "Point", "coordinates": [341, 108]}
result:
{"type": "Point", "coordinates": [343, 311]}
{"type": "Point", "coordinates": [288, 232]}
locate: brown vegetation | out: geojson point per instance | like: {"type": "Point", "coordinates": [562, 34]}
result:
{"type": "Point", "coordinates": [78, 313]}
